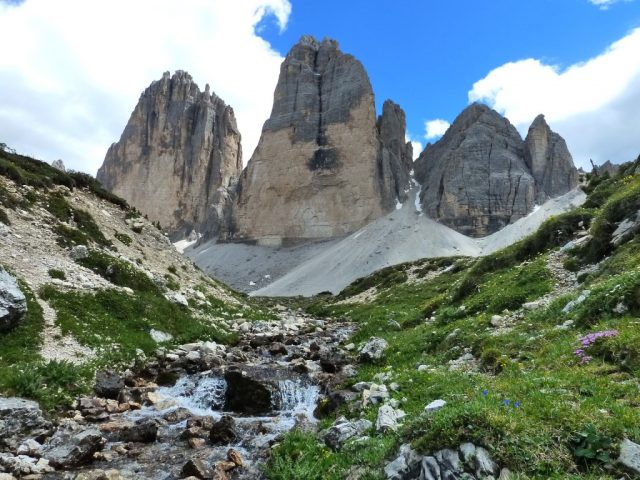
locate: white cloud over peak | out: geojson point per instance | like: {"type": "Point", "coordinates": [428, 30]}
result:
{"type": "Point", "coordinates": [415, 144]}
{"type": "Point", "coordinates": [75, 69]}
{"type": "Point", "coordinates": [594, 105]}
{"type": "Point", "coordinates": [435, 128]}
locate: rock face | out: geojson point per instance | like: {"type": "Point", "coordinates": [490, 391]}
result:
{"type": "Point", "coordinates": [547, 156]}
{"type": "Point", "coordinates": [19, 418]}
{"type": "Point", "coordinates": [177, 157]}
{"type": "Point", "coordinates": [481, 175]}
{"type": "Point", "coordinates": [324, 166]}
{"type": "Point", "coordinates": [13, 304]}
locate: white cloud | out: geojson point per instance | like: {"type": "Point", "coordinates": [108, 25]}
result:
{"type": "Point", "coordinates": [417, 145]}
{"type": "Point", "coordinates": [594, 104]}
{"type": "Point", "coordinates": [435, 128]}
{"type": "Point", "coordinates": [75, 69]}
{"type": "Point", "coordinates": [605, 4]}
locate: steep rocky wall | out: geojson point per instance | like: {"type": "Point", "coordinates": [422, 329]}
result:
{"type": "Point", "coordinates": [177, 156]}
{"type": "Point", "coordinates": [321, 168]}
{"type": "Point", "coordinates": [481, 176]}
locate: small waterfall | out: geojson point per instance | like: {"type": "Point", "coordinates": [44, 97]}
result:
{"type": "Point", "coordinates": [204, 394]}
{"type": "Point", "coordinates": [296, 397]}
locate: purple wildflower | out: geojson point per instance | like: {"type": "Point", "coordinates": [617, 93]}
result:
{"type": "Point", "coordinates": [485, 393]}
{"type": "Point", "coordinates": [516, 404]}
{"type": "Point", "coordinates": [506, 402]}
{"type": "Point", "coordinates": [589, 340]}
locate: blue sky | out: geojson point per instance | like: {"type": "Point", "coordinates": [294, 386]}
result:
{"type": "Point", "coordinates": [75, 69]}
{"type": "Point", "coordinates": [426, 55]}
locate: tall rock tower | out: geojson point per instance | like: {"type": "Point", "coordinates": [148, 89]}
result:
{"type": "Point", "coordinates": [178, 157]}
{"type": "Point", "coordinates": [481, 176]}
{"type": "Point", "coordinates": [325, 165]}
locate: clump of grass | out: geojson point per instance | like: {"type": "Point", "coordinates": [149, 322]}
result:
{"type": "Point", "coordinates": [116, 324]}
{"type": "Point", "coordinates": [124, 238]}
{"type": "Point", "coordinates": [172, 269]}
{"type": "Point", "coordinates": [118, 272]}
{"type": "Point", "coordinates": [171, 283]}
{"type": "Point", "coordinates": [59, 274]}
{"type": "Point", "coordinates": [54, 384]}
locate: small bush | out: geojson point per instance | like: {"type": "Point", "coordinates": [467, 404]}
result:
{"type": "Point", "coordinates": [59, 274]}
{"type": "Point", "coordinates": [118, 272]}
{"type": "Point", "coordinates": [590, 446]}
{"type": "Point", "coordinates": [124, 238]}
{"type": "Point", "coordinates": [69, 237]}
{"type": "Point", "coordinates": [173, 269]}
{"type": "Point", "coordinates": [4, 218]}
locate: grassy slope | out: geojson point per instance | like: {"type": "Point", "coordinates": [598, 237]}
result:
{"type": "Point", "coordinates": [566, 409]}
{"type": "Point", "coordinates": [111, 321]}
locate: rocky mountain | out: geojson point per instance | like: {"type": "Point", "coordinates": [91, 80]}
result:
{"type": "Point", "coordinates": [547, 156]}
{"type": "Point", "coordinates": [325, 165]}
{"type": "Point", "coordinates": [177, 157]}
{"type": "Point", "coordinates": [481, 176]}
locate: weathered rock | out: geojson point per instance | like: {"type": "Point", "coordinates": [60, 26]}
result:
{"type": "Point", "coordinates": [177, 156]}
{"type": "Point", "coordinates": [79, 252]}
{"type": "Point", "coordinates": [474, 179]}
{"type": "Point", "coordinates": [13, 304]}
{"type": "Point", "coordinates": [373, 350]}
{"type": "Point", "coordinates": [548, 158]}
{"type": "Point", "coordinates": [481, 176]}
{"type": "Point", "coordinates": [406, 466]}
{"type": "Point", "coordinates": [20, 418]}
{"type": "Point", "coordinates": [108, 384]}
{"type": "Point", "coordinates": [235, 457]}
{"type": "Point", "coordinates": [59, 164]}
{"type": "Point", "coordinates": [223, 432]}
{"type": "Point", "coordinates": [388, 418]}
{"type": "Point", "coordinates": [322, 167]}
{"type": "Point", "coordinates": [435, 405]}
{"type": "Point", "coordinates": [144, 431]}
{"type": "Point", "coordinates": [630, 455]}
{"type": "Point", "coordinates": [343, 430]}
{"type": "Point", "coordinates": [71, 447]}
{"type": "Point", "coordinates": [196, 467]}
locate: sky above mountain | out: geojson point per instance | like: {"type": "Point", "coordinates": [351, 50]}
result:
{"type": "Point", "coordinates": [72, 71]}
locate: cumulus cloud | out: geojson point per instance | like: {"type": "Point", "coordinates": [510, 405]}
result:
{"type": "Point", "coordinates": [594, 104]}
{"type": "Point", "coordinates": [605, 4]}
{"type": "Point", "coordinates": [417, 145]}
{"type": "Point", "coordinates": [435, 128]}
{"type": "Point", "coordinates": [75, 69]}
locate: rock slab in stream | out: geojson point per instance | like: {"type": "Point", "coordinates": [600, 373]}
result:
{"type": "Point", "coordinates": [13, 304]}
{"type": "Point", "coordinates": [70, 447]}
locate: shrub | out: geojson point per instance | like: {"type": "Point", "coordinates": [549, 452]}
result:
{"type": "Point", "coordinates": [118, 272]}
{"type": "Point", "coordinates": [4, 218]}
{"type": "Point", "coordinates": [124, 238]}
{"type": "Point", "coordinates": [59, 274]}
{"type": "Point", "coordinates": [588, 446]}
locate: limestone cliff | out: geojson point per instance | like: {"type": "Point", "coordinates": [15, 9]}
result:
{"type": "Point", "coordinates": [474, 179]}
{"type": "Point", "coordinates": [324, 166]}
{"type": "Point", "coordinates": [547, 156]}
{"type": "Point", "coordinates": [177, 156]}
{"type": "Point", "coordinates": [481, 176]}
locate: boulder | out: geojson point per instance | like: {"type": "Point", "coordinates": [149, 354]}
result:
{"type": "Point", "coordinates": [223, 432]}
{"type": "Point", "coordinates": [72, 446]}
{"type": "Point", "coordinates": [79, 252]}
{"type": "Point", "coordinates": [20, 418]}
{"type": "Point", "coordinates": [196, 467]}
{"type": "Point", "coordinates": [144, 431]}
{"type": "Point", "coordinates": [13, 303]}
{"type": "Point", "coordinates": [343, 430]}
{"type": "Point", "coordinates": [388, 418]}
{"type": "Point", "coordinates": [108, 384]}
{"type": "Point", "coordinates": [630, 455]}
{"type": "Point", "coordinates": [373, 350]}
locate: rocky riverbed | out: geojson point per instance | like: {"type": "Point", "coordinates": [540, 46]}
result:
{"type": "Point", "coordinates": [201, 410]}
